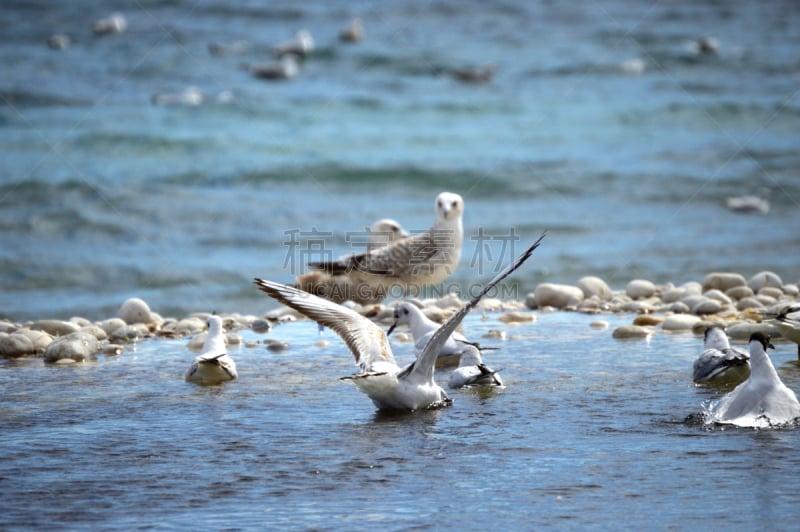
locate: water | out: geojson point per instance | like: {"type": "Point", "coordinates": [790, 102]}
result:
{"type": "Point", "coordinates": [104, 195]}
{"type": "Point", "coordinates": [590, 432]}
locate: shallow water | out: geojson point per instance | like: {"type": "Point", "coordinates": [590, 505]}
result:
{"type": "Point", "coordinates": [589, 432]}
{"type": "Point", "coordinates": [105, 196]}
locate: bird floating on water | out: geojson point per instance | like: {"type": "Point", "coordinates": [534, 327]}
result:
{"type": "Point", "coordinates": [213, 365]}
{"type": "Point", "coordinates": [423, 328]}
{"type": "Point", "coordinates": [763, 400]}
{"type": "Point", "coordinates": [787, 319]}
{"type": "Point", "coordinates": [719, 364]}
{"type": "Point", "coordinates": [388, 385]}
{"type": "Point", "coordinates": [471, 370]}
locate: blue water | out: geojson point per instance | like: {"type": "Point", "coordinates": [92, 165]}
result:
{"type": "Point", "coordinates": [591, 432]}
{"type": "Point", "coordinates": [104, 195]}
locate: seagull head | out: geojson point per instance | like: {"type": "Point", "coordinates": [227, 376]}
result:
{"type": "Point", "coordinates": [449, 206]}
{"type": "Point", "coordinates": [402, 315]}
{"type": "Point", "coordinates": [715, 338]}
{"type": "Point", "coordinates": [760, 339]}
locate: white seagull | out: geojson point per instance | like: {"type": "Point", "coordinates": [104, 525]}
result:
{"type": "Point", "coordinates": [410, 263]}
{"type": "Point", "coordinates": [471, 371]}
{"type": "Point", "coordinates": [423, 328]}
{"type": "Point", "coordinates": [788, 321]}
{"type": "Point", "coordinates": [760, 401]}
{"type": "Point", "coordinates": [389, 386]}
{"type": "Point", "coordinates": [213, 365]}
{"type": "Point", "coordinates": [719, 364]}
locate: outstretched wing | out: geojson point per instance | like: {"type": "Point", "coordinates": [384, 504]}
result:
{"type": "Point", "coordinates": [426, 360]}
{"type": "Point", "coordinates": [366, 340]}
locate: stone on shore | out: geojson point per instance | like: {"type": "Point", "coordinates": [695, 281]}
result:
{"type": "Point", "coordinates": [135, 310]}
{"type": "Point", "coordinates": [723, 281]}
{"type": "Point", "coordinates": [557, 295]}
{"type": "Point", "coordinates": [55, 327]}
{"type": "Point", "coordinates": [594, 286]}
{"type": "Point", "coordinates": [640, 289]}
{"type": "Point", "coordinates": [679, 322]}
{"type": "Point", "coordinates": [76, 347]}
{"type": "Point", "coordinates": [16, 345]}
{"type": "Point", "coordinates": [765, 278]}
{"type": "Point", "coordinates": [739, 292]}
{"type": "Point", "coordinates": [631, 331]}
{"type": "Point", "coordinates": [40, 339]}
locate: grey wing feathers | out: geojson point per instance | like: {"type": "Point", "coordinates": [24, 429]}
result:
{"type": "Point", "coordinates": [442, 333]}
{"type": "Point", "coordinates": [364, 338]}
{"type": "Point", "coordinates": [395, 259]}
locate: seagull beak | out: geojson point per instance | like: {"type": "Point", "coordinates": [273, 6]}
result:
{"type": "Point", "coordinates": [391, 328]}
{"type": "Point", "coordinates": [769, 345]}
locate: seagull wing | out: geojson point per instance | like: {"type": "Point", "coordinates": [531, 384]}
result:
{"type": "Point", "coordinates": [400, 258]}
{"type": "Point", "coordinates": [366, 340]}
{"type": "Point", "coordinates": [424, 364]}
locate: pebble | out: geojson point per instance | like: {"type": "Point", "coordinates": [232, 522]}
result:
{"type": "Point", "coordinates": [723, 281]}
{"type": "Point", "coordinates": [748, 302]}
{"type": "Point", "coordinates": [739, 292]}
{"type": "Point", "coordinates": [134, 310]}
{"type": "Point", "coordinates": [640, 289]}
{"type": "Point", "coordinates": [112, 324]}
{"type": "Point", "coordinates": [16, 345]}
{"type": "Point", "coordinates": [231, 338]}
{"type": "Point", "coordinates": [322, 343]}
{"type": "Point", "coordinates": [187, 326]}
{"type": "Point", "coordinates": [261, 326]}
{"type": "Point", "coordinates": [718, 295]}
{"type": "Point", "coordinates": [646, 320]}
{"type": "Point", "coordinates": [7, 327]}
{"type": "Point", "coordinates": [55, 327]}
{"type": "Point", "coordinates": [771, 291]}
{"type": "Point", "coordinates": [742, 330]}
{"type": "Point", "coordinates": [679, 322]}
{"type": "Point", "coordinates": [112, 349]}
{"type": "Point", "coordinates": [599, 324]}
{"type": "Point", "coordinates": [130, 333]}
{"type": "Point", "coordinates": [594, 287]}
{"type": "Point", "coordinates": [765, 278]}
{"type": "Point", "coordinates": [707, 306]}
{"type": "Point", "coordinates": [517, 317]}
{"type": "Point", "coordinates": [276, 346]}
{"type": "Point", "coordinates": [40, 339]}
{"type": "Point", "coordinates": [679, 307]}
{"type": "Point", "coordinates": [631, 331]}
{"type": "Point", "coordinates": [78, 346]}
{"type": "Point", "coordinates": [96, 331]}
{"type": "Point", "coordinates": [556, 295]}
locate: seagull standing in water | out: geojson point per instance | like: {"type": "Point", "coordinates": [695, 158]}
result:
{"type": "Point", "coordinates": [423, 328]}
{"type": "Point", "coordinates": [720, 364]}
{"type": "Point", "coordinates": [760, 401]}
{"type": "Point", "coordinates": [471, 370]}
{"type": "Point", "coordinates": [389, 386]}
{"type": "Point", "coordinates": [213, 365]}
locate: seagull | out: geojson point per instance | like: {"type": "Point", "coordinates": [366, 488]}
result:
{"type": "Point", "coordinates": [422, 259]}
{"type": "Point", "coordinates": [213, 366]}
{"type": "Point", "coordinates": [390, 387]}
{"type": "Point", "coordinates": [719, 363]}
{"type": "Point", "coordinates": [788, 321]}
{"type": "Point", "coordinates": [285, 68]}
{"type": "Point", "coordinates": [471, 370]}
{"type": "Point", "coordinates": [423, 328]}
{"type": "Point", "coordinates": [383, 232]}
{"type": "Point", "coordinates": [301, 45]}
{"type": "Point", "coordinates": [114, 23]}
{"type": "Point", "coordinates": [756, 204]}
{"type": "Point", "coordinates": [760, 401]}
{"type": "Point", "coordinates": [353, 32]}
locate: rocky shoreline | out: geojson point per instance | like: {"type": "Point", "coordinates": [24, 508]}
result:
{"type": "Point", "coordinates": [724, 298]}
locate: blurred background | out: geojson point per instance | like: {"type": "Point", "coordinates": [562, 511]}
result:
{"type": "Point", "coordinates": [156, 155]}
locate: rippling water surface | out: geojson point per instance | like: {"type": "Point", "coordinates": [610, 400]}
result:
{"type": "Point", "coordinates": [104, 195]}
{"type": "Point", "coordinates": [590, 431]}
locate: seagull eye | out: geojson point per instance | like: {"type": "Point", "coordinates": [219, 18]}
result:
{"type": "Point", "coordinates": [439, 203]}
{"type": "Point", "coordinates": [455, 204]}
{"type": "Point", "coordinates": [405, 311]}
